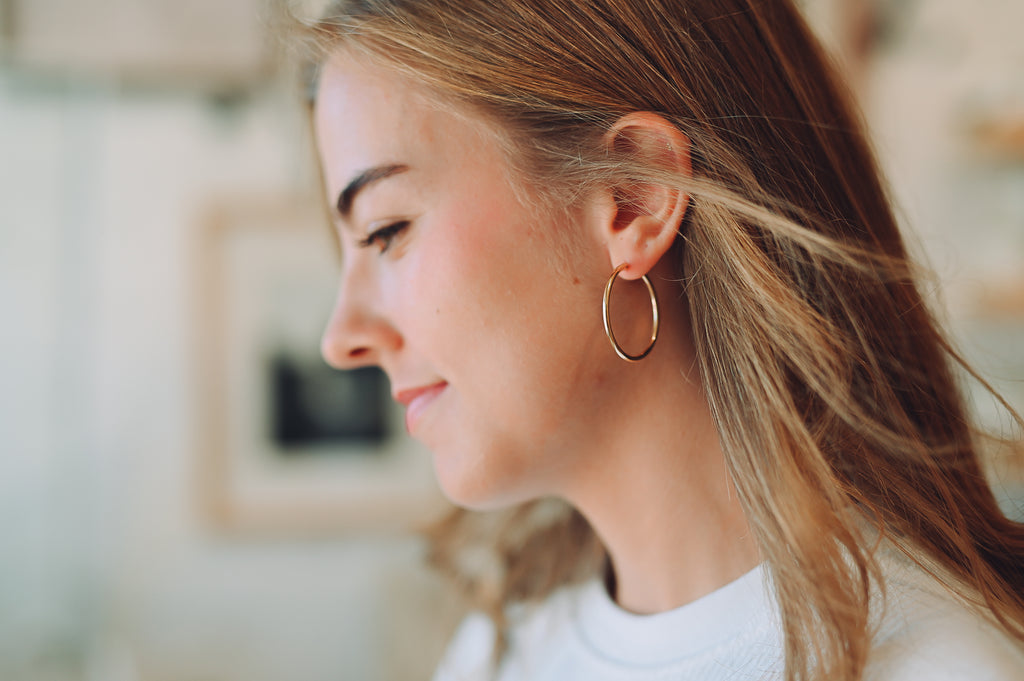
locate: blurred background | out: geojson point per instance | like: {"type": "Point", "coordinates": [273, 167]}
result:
{"type": "Point", "coordinates": [179, 498]}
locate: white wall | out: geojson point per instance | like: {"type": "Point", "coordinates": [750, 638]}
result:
{"type": "Point", "coordinates": [106, 567]}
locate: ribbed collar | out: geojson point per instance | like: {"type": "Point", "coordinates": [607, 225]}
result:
{"type": "Point", "coordinates": [743, 606]}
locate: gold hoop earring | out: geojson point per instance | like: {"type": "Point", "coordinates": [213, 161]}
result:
{"type": "Point", "coordinates": [606, 314]}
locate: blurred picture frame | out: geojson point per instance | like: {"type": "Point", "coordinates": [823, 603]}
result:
{"type": "Point", "coordinates": [288, 444]}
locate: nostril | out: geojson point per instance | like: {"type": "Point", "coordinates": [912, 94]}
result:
{"type": "Point", "coordinates": [341, 356]}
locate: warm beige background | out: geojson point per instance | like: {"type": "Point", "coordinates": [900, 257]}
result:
{"type": "Point", "coordinates": [109, 166]}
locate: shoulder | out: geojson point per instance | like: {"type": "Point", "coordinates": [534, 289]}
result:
{"type": "Point", "coordinates": [468, 657]}
{"type": "Point", "coordinates": [924, 632]}
{"type": "Point", "coordinates": [535, 629]}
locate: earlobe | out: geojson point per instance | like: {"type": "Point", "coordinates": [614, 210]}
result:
{"type": "Point", "coordinates": [646, 209]}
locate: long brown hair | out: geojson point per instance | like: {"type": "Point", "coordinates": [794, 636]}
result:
{"type": "Point", "coordinates": [832, 386]}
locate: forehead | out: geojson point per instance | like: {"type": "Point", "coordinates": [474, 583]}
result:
{"type": "Point", "coordinates": [367, 115]}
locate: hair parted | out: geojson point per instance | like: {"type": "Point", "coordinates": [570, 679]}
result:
{"type": "Point", "coordinates": [833, 389]}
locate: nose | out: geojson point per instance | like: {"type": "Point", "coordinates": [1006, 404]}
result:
{"type": "Point", "coordinates": [358, 333]}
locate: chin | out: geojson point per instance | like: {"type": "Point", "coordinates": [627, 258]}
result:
{"type": "Point", "coordinates": [469, 483]}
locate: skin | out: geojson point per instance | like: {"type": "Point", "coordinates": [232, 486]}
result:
{"type": "Point", "coordinates": [481, 298]}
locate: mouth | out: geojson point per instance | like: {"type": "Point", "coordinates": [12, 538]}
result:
{"type": "Point", "coordinates": [416, 400]}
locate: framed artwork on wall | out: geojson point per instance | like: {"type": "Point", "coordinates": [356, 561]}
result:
{"type": "Point", "coordinates": [288, 444]}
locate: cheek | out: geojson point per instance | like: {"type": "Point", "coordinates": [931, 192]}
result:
{"type": "Point", "coordinates": [472, 271]}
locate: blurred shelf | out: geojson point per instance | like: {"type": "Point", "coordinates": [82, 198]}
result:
{"type": "Point", "coordinates": [1000, 136]}
{"type": "Point", "coordinates": [999, 300]}
{"type": "Point", "coordinates": [190, 44]}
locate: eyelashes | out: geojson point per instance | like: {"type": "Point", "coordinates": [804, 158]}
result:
{"type": "Point", "coordinates": [383, 238]}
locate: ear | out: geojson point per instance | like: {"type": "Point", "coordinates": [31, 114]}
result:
{"type": "Point", "coordinates": [639, 221]}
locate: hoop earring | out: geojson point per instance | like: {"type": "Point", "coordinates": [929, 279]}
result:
{"type": "Point", "coordinates": [606, 314]}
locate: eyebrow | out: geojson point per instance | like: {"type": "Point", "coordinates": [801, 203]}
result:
{"type": "Point", "coordinates": [360, 181]}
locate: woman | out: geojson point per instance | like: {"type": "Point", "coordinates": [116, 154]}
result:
{"type": "Point", "coordinates": [635, 256]}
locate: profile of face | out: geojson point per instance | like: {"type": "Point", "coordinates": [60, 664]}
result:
{"type": "Point", "coordinates": [486, 323]}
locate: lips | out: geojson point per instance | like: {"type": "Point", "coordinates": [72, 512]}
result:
{"type": "Point", "coordinates": [416, 400]}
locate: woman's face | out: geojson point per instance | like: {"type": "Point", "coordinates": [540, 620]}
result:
{"type": "Point", "coordinates": [489, 333]}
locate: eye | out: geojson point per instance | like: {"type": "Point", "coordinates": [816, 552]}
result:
{"type": "Point", "coordinates": [382, 238]}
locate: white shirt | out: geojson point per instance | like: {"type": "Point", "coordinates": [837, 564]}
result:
{"type": "Point", "coordinates": [732, 634]}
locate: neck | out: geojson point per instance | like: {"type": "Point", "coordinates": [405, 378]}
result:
{"type": "Point", "coordinates": [657, 492]}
